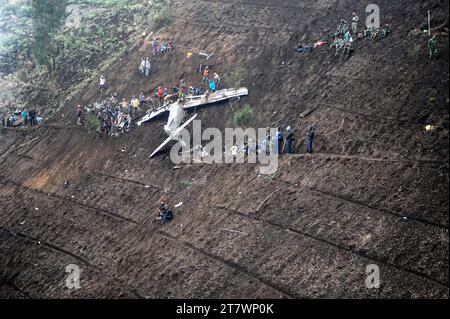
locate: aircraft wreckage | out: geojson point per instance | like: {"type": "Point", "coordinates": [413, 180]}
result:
{"type": "Point", "coordinates": [178, 110]}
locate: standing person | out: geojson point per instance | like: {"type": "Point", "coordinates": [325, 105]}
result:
{"type": "Point", "coordinates": [160, 94]}
{"type": "Point", "coordinates": [432, 47]}
{"type": "Point", "coordinates": [355, 21]}
{"type": "Point", "coordinates": [102, 84]}
{"type": "Point", "coordinates": [135, 105]}
{"type": "Point", "coordinates": [184, 89]}
{"type": "Point", "coordinates": [32, 115]}
{"type": "Point", "coordinates": [2, 120]}
{"type": "Point", "coordinates": [24, 116]}
{"type": "Point", "coordinates": [216, 78]}
{"type": "Point", "coordinates": [148, 66]}
{"type": "Point", "coordinates": [79, 114]}
{"type": "Point", "coordinates": [155, 46]}
{"type": "Point", "coordinates": [310, 140]}
{"type": "Point", "coordinates": [212, 86]}
{"type": "Point", "coordinates": [142, 67]}
{"type": "Point", "coordinates": [142, 100]}
{"type": "Point", "coordinates": [124, 105]}
{"type": "Point", "coordinates": [290, 138]}
{"type": "Point", "coordinates": [347, 37]}
{"type": "Point", "coordinates": [280, 139]}
{"type": "Point", "coordinates": [267, 143]}
{"type": "Point", "coordinates": [206, 75]}
{"type": "Point", "coordinates": [13, 120]}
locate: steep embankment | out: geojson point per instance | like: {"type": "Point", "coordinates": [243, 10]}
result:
{"type": "Point", "coordinates": [376, 192]}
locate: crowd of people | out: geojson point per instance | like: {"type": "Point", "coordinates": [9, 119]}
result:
{"type": "Point", "coordinates": [113, 116]}
{"type": "Point", "coordinates": [344, 37]}
{"type": "Point", "coordinates": [282, 143]}
{"type": "Point", "coordinates": [161, 48]}
{"type": "Point", "coordinates": [20, 119]}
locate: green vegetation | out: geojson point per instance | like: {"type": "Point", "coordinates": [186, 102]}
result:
{"type": "Point", "coordinates": [47, 17]}
{"type": "Point", "coordinates": [160, 15]}
{"type": "Point", "coordinates": [244, 116]}
{"type": "Point", "coordinates": [187, 183]}
{"type": "Point", "coordinates": [15, 35]}
{"type": "Point", "coordinates": [272, 177]}
{"type": "Point", "coordinates": [104, 3]}
{"type": "Point", "coordinates": [91, 122]}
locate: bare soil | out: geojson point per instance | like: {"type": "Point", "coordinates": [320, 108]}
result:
{"type": "Point", "coordinates": [375, 192]}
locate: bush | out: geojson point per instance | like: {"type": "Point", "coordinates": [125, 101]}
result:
{"type": "Point", "coordinates": [244, 116]}
{"type": "Point", "coordinates": [91, 122]}
{"type": "Point", "coordinates": [163, 18]}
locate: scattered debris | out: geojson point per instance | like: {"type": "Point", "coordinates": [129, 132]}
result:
{"type": "Point", "coordinates": [206, 55]}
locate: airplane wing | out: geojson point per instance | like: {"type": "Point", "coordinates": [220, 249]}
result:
{"type": "Point", "coordinates": [150, 116]}
{"type": "Point", "coordinates": [218, 96]}
{"type": "Point", "coordinates": [161, 146]}
{"type": "Point", "coordinates": [170, 138]}
{"type": "Point", "coordinates": [178, 131]}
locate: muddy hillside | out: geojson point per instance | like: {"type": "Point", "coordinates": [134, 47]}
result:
{"type": "Point", "coordinates": [375, 191]}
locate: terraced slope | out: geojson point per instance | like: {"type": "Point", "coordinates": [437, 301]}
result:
{"type": "Point", "coordinates": [375, 192]}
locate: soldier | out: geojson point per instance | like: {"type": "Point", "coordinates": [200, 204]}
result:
{"type": "Point", "coordinates": [355, 20]}
{"type": "Point", "coordinates": [432, 47]}
{"type": "Point", "coordinates": [310, 140]}
{"type": "Point", "coordinates": [347, 36]}
{"type": "Point", "coordinates": [290, 138]}
{"type": "Point", "coordinates": [280, 138]}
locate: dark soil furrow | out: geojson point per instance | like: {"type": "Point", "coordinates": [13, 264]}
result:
{"type": "Point", "coordinates": [339, 246]}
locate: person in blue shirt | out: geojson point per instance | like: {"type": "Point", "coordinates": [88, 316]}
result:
{"type": "Point", "coordinates": [24, 116]}
{"type": "Point", "coordinates": [280, 138]}
{"type": "Point", "coordinates": [212, 86]}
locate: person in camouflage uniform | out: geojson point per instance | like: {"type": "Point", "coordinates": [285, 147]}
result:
{"type": "Point", "coordinates": [342, 28]}
{"type": "Point", "coordinates": [355, 21]}
{"type": "Point", "coordinates": [432, 47]}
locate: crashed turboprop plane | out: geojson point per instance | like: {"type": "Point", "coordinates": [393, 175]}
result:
{"type": "Point", "coordinates": [177, 112]}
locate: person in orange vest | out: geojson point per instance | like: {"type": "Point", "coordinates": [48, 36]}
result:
{"type": "Point", "coordinates": [206, 75]}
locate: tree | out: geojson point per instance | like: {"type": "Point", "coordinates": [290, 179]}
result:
{"type": "Point", "coordinates": [244, 116]}
{"type": "Point", "coordinates": [47, 17]}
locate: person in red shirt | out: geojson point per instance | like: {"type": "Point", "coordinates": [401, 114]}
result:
{"type": "Point", "coordinates": [161, 95]}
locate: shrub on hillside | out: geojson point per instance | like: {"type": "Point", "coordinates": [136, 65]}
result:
{"type": "Point", "coordinates": [163, 18]}
{"type": "Point", "coordinates": [91, 122]}
{"type": "Point", "coordinates": [244, 116]}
